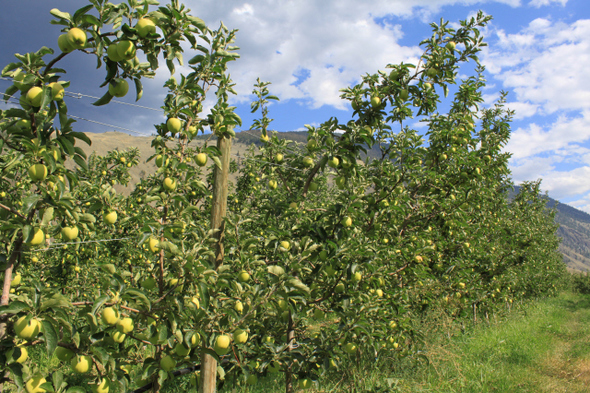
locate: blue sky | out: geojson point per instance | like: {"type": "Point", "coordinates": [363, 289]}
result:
{"type": "Point", "coordinates": [309, 49]}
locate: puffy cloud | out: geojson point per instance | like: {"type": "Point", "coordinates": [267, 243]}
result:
{"type": "Point", "coordinates": [542, 3]}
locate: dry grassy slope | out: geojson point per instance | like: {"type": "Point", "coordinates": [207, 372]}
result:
{"type": "Point", "coordinates": [574, 224]}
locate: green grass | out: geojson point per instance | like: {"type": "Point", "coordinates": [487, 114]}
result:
{"type": "Point", "coordinates": [542, 347]}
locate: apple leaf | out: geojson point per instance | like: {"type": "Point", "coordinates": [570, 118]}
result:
{"type": "Point", "coordinates": [50, 337]}
{"type": "Point", "coordinates": [14, 308]}
{"type": "Point", "coordinates": [16, 369]}
{"type": "Point", "coordinates": [59, 14]}
{"type": "Point", "coordinates": [78, 14]}
{"type": "Point", "coordinates": [76, 389]}
{"type": "Point", "coordinates": [138, 89]}
{"type": "Point", "coordinates": [138, 296]}
{"type": "Point", "coordinates": [12, 89]}
{"type": "Point", "coordinates": [105, 99]}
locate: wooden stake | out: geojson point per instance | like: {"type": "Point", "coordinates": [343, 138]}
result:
{"type": "Point", "coordinates": [207, 382]}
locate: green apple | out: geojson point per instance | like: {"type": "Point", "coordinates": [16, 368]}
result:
{"type": "Point", "coordinates": [201, 159]}
{"type": "Point", "coordinates": [375, 101]}
{"type": "Point", "coordinates": [333, 162]}
{"type": "Point", "coordinates": [403, 94]}
{"type": "Point", "coordinates": [167, 363]}
{"type": "Point", "coordinates": [69, 233]}
{"type": "Point", "coordinates": [174, 125]}
{"type": "Point", "coordinates": [243, 276]}
{"type": "Point", "coordinates": [113, 53]}
{"type": "Point", "coordinates": [239, 307]}
{"type": "Point", "coordinates": [313, 186]}
{"type": "Point", "coordinates": [312, 144]}
{"type": "Point", "coordinates": [110, 316]}
{"type": "Point", "coordinates": [427, 85]}
{"type": "Point", "coordinates": [318, 314]}
{"type": "Point", "coordinates": [37, 172]}
{"type": "Point", "coordinates": [357, 277]}
{"type": "Point", "coordinates": [22, 354]}
{"type": "Point", "coordinates": [33, 385]}
{"type": "Point", "coordinates": [451, 46]}
{"type": "Point", "coordinates": [81, 364]}
{"type": "Point", "coordinates": [145, 27]}
{"type": "Point", "coordinates": [330, 271]}
{"type": "Point", "coordinates": [35, 96]}
{"type": "Point", "coordinates": [305, 383]}
{"type": "Point", "coordinates": [16, 280]}
{"type": "Point", "coordinates": [125, 325]}
{"type": "Point", "coordinates": [195, 339]}
{"type": "Point", "coordinates": [181, 350]}
{"type": "Point", "coordinates": [126, 49]}
{"type": "Point", "coordinates": [118, 87]}
{"type": "Point", "coordinates": [102, 387]}
{"type": "Point", "coordinates": [221, 345]}
{"type": "Point", "coordinates": [285, 244]}
{"type": "Point", "coordinates": [160, 161]}
{"type": "Point", "coordinates": [346, 221]}
{"type": "Point", "coordinates": [76, 38]}
{"type": "Point", "coordinates": [251, 380]}
{"type": "Point", "coordinates": [339, 288]}
{"type": "Point", "coordinates": [308, 161]}
{"type": "Point", "coordinates": [350, 348]}
{"type": "Point", "coordinates": [431, 72]}
{"type": "Point", "coordinates": [153, 245]}
{"type": "Point", "coordinates": [64, 354]}
{"type": "Point", "coordinates": [323, 255]}
{"type": "Point", "coordinates": [27, 330]}
{"type": "Point", "coordinates": [57, 91]}
{"type": "Point", "coordinates": [272, 184]}
{"type": "Point", "coordinates": [240, 336]}
{"type": "Point", "coordinates": [38, 238]}
{"type": "Point", "coordinates": [279, 158]}
{"type": "Point", "coordinates": [148, 283]}
{"type": "Point", "coordinates": [110, 218]}
{"type": "Point", "coordinates": [169, 184]}
{"type": "Point", "coordinates": [118, 337]}
{"type": "Point", "coordinates": [340, 182]}
{"type": "Point", "coordinates": [264, 138]}
{"type": "Point", "coordinates": [64, 44]}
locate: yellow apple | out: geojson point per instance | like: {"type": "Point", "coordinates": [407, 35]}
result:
{"type": "Point", "coordinates": [69, 233]}
{"type": "Point", "coordinates": [21, 352]}
{"type": "Point", "coordinates": [243, 276]}
{"type": "Point", "coordinates": [27, 330]}
{"type": "Point", "coordinates": [35, 96]}
{"type": "Point", "coordinates": [240, 336]}
{"type": "Point", "coordinates": [37, 172]}
{"type": "Point", "coordinates": [110, 316]}
{"type": "Point", "coordinates": [201, 159]}
{"type": "Point", "coordinates": [16, 280]}
{"type": "Point", "coordinates": [286, 245]}
{"type": "Point", "coordinates": [57, 91]}
{"type": "Point", "coordinates": [33, 385]}
{"type": "Point", "coordinates": [102, 387]}
{"type": "Point", "coordinates": [173, 125]}
{"type": "Point", "coordinates": [153, 245]}
{"type": "Point", "coordinates": [110, 217]}
{"type": "Point", "coordinates": [145, 27]}
{"type": "Point", "coordinates": [333, 162]}
{"type": "Point", "coordinates": [118, 337]}
{"type": "Point", "coordinates": [169, 184]}
{"type": "Point", "coordinates": [125, 325]}
{"type": "Point", "coordinates": [221, 345]}
{"type": "Point", "coordinates": [239, 307]}
{"type": "Point", "coordinates": [126, 49]}
{"type": "Point", "coordinates": [76, 38]}
{"type": "Point", "coordinates": [308, 161]}
{"type": "Point", "coordinates": [81, 364]}
{"type": "Point", "coordinates": [346, 221]}
{"type": "Point", "coordinates": [375, 101]}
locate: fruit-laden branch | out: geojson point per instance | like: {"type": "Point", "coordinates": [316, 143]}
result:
{"type": "Point", "coordinates": [314, 171]}
{"type": "Point", "coordinates": [12, 210]}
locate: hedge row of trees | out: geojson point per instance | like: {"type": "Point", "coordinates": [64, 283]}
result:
{"type": "Point", "coordinates": [320, 255]}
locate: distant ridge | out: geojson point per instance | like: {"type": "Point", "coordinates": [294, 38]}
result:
{"type": "Point", "coordinates": [574, 224]}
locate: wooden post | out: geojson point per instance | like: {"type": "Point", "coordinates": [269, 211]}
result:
{"type": "Point", "coordinates": [208, 379]}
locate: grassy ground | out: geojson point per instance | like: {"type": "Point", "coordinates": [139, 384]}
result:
{"type": "Point", "coordinates": [543, 347]}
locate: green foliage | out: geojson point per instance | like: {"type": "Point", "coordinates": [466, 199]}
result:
{"type": "Point", "coordinates": [326, 255]}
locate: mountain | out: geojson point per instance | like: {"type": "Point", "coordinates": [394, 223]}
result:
{"type": "Point", "coordinates": [574, 224]}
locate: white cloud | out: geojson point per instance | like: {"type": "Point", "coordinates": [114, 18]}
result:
{"type": "Point", "coordinates": [542, 3]}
